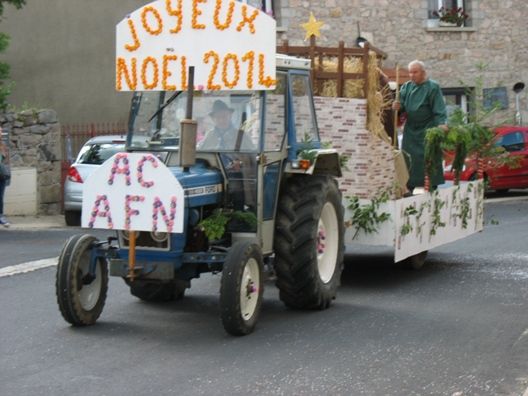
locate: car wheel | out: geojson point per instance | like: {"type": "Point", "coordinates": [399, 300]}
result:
{"type": "Point", "coordinates": [72, 217]}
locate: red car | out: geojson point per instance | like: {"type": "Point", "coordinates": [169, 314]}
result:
{"type": "Point", "coordinates": [515, 140]}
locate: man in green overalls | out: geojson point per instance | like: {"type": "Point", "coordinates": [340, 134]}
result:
{"type": "Point", "coordinates": [421, 99]}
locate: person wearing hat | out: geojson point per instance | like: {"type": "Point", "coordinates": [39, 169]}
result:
{"type": "Point", "coordinates": [239, 164]}
{"type": "Point", "coordinates": [224, 135]}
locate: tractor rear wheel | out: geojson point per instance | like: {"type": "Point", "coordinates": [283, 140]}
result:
{"type": "Point", "coordinates": [81, 295]}
{"type": "Point", "coordinates": [309, 244]}
{"type": "Point", "coordinates": [241, 288]}
{"type": "Point", "coordinates": [157, 291]}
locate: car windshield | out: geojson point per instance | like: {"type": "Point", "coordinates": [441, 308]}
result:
{"type": "Point", "coordinates": [97, 153]}
{"type": "Point", "coordinates": [227, 121]}
{"type": "Point", "coordinates": [512, 141]}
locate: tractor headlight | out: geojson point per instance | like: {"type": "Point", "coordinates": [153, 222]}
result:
{"type": "Point", "coordinates": [159, 236]}
{"type": "Point", "coordinates": [126, 234]}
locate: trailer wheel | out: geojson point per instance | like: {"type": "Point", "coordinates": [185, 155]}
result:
{"type": "Point", "coordinates": [81, 296]}
{"type": "Point", "coordinates": [309, 244]}
{"type": "Point", "coordinates": [157, 291]}
{"type": "Point", "coordinates": [241, 288]}
{"type": "Point", "coordinates": [416, 261]}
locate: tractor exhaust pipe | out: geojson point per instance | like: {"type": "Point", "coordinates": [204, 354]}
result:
{"type": "Point", "coordinates": [188, 129]}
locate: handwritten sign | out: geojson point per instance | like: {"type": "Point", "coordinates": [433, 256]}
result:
{"type": "Point", "coordinates": [133, 191]}
{"type": "Point", "coordinates": [230, 44]}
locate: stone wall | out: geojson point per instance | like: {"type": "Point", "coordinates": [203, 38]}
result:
{"type": "Point", "coordinates": [496, 35]}
{"type": "Point", "coordinates": [35, 143]}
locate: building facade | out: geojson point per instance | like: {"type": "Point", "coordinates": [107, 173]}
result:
{"type": "Point", "coordinates": [62, 51]}
{"type": "Point", "coordinates": [490, 44]}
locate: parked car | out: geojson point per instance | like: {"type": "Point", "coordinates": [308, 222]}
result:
{"type": "Point", "coordinates": [514, 139]}
{"type": "Point", "coordinates": [94, 152]}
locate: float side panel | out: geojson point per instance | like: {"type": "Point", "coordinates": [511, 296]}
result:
{"type": "Point", "coordinates": [423, 222]}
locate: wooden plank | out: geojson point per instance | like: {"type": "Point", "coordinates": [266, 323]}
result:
{"type": "Point", "coordinates": [320, 69]}
{"type": "Point", "coordinates": [340, 69]}
{"type": "Point", "coordinates": [334, 75]}
{"type": "Point", "coordinates": [312, 58]}
{"type": "Point", "coordinates": [365, 69]}
{"type": "Point", "coordinates": [287, 49]}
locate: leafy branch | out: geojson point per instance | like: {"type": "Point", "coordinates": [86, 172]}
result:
{"type": "Point", "coordinates": [214, 226]}
{"type": "Point", "coordinates": [367, 217]}
{"type": "Point", "coordinates": [406, 227]}
{"type": "Point", "coordinates": [436, 220]}
{"type": "Point", "coordinates": [469, 136]}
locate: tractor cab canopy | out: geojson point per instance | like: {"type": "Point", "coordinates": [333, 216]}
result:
{"type": "Point", "coordinates": [227, 121]}
{"type": "Point", "coordinates": [242, 121]}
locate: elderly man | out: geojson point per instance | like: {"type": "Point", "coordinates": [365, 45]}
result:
{"type": "Point", "coordinates": [421, 99]}
{"type": "Point", "coordinates": [224, 135]}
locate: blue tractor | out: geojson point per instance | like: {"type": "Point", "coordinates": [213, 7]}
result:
{"type": "Point", "coordinates": [261, 197]}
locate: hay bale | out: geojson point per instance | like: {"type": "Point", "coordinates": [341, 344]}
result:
{"type": "Point", "coordinates": [352, 88]}
{"type": "Point", "coordinates": [375, 100]}
{"type": "Point", "coordinates": [351, 64]}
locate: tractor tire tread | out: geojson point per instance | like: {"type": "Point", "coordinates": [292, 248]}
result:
{"type": "Point", "coordinates": [298, 279]}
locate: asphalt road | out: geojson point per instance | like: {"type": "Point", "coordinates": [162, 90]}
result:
{"type": "Point", "coordinates": [457, 327]}
{"type": "Point", "coordinates": [24, 246]}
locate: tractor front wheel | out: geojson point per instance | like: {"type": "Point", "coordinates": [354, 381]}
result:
{"type": "Point", "coordinates": [309, 244]}
{"type": "Point", "coordinates": [81, 294]}
{"type": "Point", "coordinates": [241, 288]}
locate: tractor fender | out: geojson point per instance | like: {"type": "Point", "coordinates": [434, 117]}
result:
{"type": "Point", "coordinates": [326, 162]}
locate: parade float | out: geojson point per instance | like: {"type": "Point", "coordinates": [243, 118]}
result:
{"type": "Point", "coordinates": [302, 177]}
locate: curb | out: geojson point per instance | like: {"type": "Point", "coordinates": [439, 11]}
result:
{"type": "Point", "coordinates": [35, 222]}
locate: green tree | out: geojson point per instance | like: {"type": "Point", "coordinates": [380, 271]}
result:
{"type": "Point", "coordinates": [5, 84]}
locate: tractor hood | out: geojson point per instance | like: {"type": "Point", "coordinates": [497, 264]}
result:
{"type": "Point", "coordinates": [202, 185]}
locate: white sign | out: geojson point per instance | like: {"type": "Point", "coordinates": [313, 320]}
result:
{"type": "Point", "coordinates": [133, 191]}
{"type": "Point", "coordinates": [231, 45]}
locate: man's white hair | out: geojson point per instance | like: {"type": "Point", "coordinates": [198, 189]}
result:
{"type": "Point", "coordinates": [417, 62]}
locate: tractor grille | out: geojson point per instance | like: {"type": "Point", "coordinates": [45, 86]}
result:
{"type": "Point", "coordinates": [146, 240]}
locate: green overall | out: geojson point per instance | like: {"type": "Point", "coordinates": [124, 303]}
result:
{"type": "Point", "coordinates": [425, 108]}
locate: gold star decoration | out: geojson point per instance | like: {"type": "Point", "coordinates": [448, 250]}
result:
{"type": "Point", "coordinates": [312, 27]}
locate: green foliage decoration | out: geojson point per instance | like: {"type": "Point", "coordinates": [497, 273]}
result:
{"type": "Point", "coordinates": [247, 217]}
{"type": "Point", "coordinates": [469, 135]}
{"type": "Point", "coordinates": [308, 154]}
{"type": "Point", "coordinates": [367, 217]}
{"type": "Point", "coordinates": [16, 3]}
{"type": "Point", "coordinates": [434, 143]}
{"type": "Point", "coordinates": [436, 220]}
{"type": "Point", "coordinates": [407, 227]}
{"type": "Point", "coordinates": [214, 226]}
{"type": "Point", "coordinates": [465, 211]}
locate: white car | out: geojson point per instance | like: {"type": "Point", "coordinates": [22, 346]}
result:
{"type": "Point", "coordinates": [94, 152]}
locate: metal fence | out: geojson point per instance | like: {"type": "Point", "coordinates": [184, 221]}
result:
{"type": "Point", "coordinates": [73, 136]}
